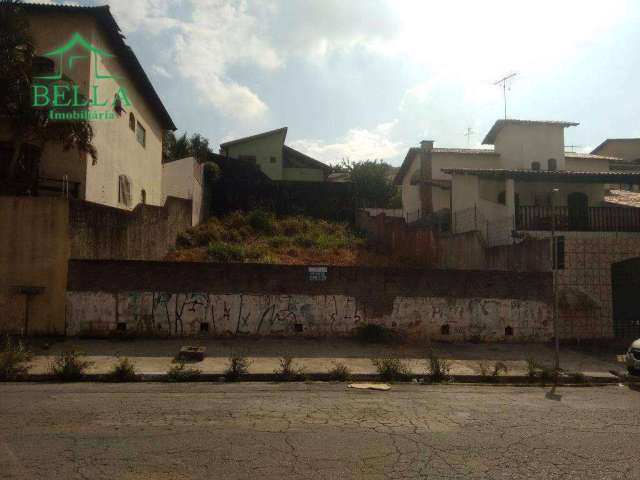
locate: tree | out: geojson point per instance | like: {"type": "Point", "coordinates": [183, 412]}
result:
{"type": "Point", "coordinates": [371, 184]}
{"type": "Point", "coordinates": [29, 127]}
{"type": "Point", "coordinates": [175, 148]}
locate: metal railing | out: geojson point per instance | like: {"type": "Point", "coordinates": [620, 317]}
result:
{"type": "Point", "coordinates": [589, 219]}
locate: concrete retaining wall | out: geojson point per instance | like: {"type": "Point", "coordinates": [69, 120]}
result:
{"type": "Point", "coordinates": [183, 299]}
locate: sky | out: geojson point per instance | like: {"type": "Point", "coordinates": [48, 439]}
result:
{"type": "Point", "coordinates": [367, 79]}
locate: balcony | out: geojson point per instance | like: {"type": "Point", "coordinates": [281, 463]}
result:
{"type": "Point", "coordinates": [586, 219]}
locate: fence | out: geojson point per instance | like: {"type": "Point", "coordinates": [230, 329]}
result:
{"type": "Point", "coordinates": [590, 219]}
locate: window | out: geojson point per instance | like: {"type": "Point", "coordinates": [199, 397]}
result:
{"type": "Point", "coordinates": [124, 190]}
{"type": "Point", "coordinates": [117, 104]}
{"type": "Point", "coordinates": [143, 196]}
{"type": "Point", "coordinates": [272, 159]}
{"type": "Point", "coordinates": [535, 166]}
{"type": "Point", "coordinates": [552, 164]}
{"type": "Point", "coordinates": [132, 122]}
{"type": "Point", "coordinates": [141, 134]}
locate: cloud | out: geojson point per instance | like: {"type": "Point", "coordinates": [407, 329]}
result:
{"type": "Point", "coordinates": [161, 71]}
{"type": "Point", "coordinates": [356, 144]}
{"type": "Point", "coordinates": [203, 45]}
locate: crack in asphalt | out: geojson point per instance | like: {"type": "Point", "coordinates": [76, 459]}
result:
{"type": "Point", "coordinates": [317, 431]}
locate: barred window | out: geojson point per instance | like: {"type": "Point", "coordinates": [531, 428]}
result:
{"type": "Point", "coordinates": [124, 190]}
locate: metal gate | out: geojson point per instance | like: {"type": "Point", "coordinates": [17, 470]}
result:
{"type": "Point", "coordinates": [625, 289]}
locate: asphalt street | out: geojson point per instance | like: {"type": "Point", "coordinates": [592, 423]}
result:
{"type": "Point", "coordinates": [316, 431]}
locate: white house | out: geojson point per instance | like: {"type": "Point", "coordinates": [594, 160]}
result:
{"type": "Point", "coordinates": [516, 182]}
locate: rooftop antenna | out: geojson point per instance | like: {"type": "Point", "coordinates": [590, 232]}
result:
{"type": "Point", "coordinates": [468, 133]}
{"type": "Point", "coordinates": [572, 148]}
{"type": "Point", "coordinates": [504, 82]}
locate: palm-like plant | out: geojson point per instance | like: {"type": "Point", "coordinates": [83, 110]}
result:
{"type": "Point", "coordinates": [29, 126]}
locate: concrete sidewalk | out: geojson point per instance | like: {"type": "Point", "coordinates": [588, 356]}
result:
{"type": "Point", "coordinates": [317, 356]}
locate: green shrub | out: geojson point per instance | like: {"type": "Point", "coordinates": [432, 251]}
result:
{"type": "Point", "coordinates": [485, 370]}
{"type": "Point", "coordinates": [437, 368]}
{"type": "Point", "coordinates": [123, 371]}
{"type": "Point", "coordinates": [391, 368]}
{"type": "Point", "coordinates": [339, 372]}
{"type": "Point", "coordinates": [179, 372]}
{"type": "Point", "coordinates": [185, 239]}
{"type": "Point", "coordinates": [224, 252]}
{"type": "Point", "coordinates": [499, 367]}
{"type": "Point", "coordinates": [238, 366]}
{"type": "Point", "coordinates": [304, 241]}
{"type": "Point", "coordinates": [293, 226]}
{"type": "Point", "coordinates": [288, 372]}
{"type": "Point", "coordinates": [256, 253]}
{"type": "Point", "coordinates": [14, 359]}
{"type": "Point", "coordinates": [279, 241]}
{"type": "Point", "coordinates": [70, 366]}
{"type": "Point", "coordinates": [374, 333]}
{"type": "Point", "coordinates": [262, 221]}
{"type": "Point", "coordinates": [532, 368]}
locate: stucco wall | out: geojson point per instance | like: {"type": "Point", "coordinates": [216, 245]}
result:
{"type": "Point", "coordinates": [586, 165]}
{"type": "Point", "coordinates": [119, 153]}
{"type": "Point", "coordinates": [182, 179]}
{"type": "Point", "coordinates": [263, 148]}
{"type": "Point", "coordinates": [411, 193]}
{"type": "Point", "coordinates": [34, 249]}
{"type": "Point", "coordinates": [281, 300]}
{"type": "Point", "coordinates": [521, 144]}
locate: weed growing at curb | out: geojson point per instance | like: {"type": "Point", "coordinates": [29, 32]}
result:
{"type": "Point", "coordinates": [14, 359]}
{"type": "Point", "coordinates": [70, 366]}
{"type": "Point", "coordinates": [437, 368]}
{"type": "Point", "coordinates": [238, 366]}
{"type": "Point", "coordinates": [499, 367]}
{"type": "Point", "coordinates": [391, 368]}
{"type": "Point", "coordinates": [339, 372]}
{"type": "Point", "coordinates": [179, 372]}
{"type": "Point", "coordinates": [123, 371]}
{"type": "Point", "coordinates": [287, 372]}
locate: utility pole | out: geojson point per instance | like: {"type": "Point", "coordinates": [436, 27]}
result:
{"type": "Point", "coordinates": [554, 255]}
{"type": "Point", "coordinates": [504, 82]}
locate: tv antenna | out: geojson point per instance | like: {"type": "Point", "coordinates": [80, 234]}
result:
{"type": "Point", "coordinates": [505, 83]}
{"type": "Point", "coordinates": [572, 148]}
{"type": "Point", "coordinates": [468, 133]}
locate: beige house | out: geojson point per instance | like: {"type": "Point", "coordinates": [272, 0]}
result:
{"type": "Point", "coordinates": [84, 48]}
{"type": "Point", "coordinates": [484, 180]}
{"type": "Point", "coordinates": [275, 159]}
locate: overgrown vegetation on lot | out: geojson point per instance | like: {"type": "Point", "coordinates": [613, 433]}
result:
{"type": "Point", "coordinates": [14, 359]}
{"type": "Point", "coordinates": [261, 237]}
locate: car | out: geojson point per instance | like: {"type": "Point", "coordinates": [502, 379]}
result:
{"type": "Point", "coordinates": [633, 358]}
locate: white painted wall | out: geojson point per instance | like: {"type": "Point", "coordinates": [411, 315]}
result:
{"type": "Point", "coordinates": [318, 315]}
{"type": "Point", "coordinates": [183, 179]}
{"type": "Point", "coordinates": [521, 144]}
{"type": "Point", "coordinates": [411, 193]}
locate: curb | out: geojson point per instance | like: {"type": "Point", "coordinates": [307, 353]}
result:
{"type": "Point", "coordinates": [507, 380]}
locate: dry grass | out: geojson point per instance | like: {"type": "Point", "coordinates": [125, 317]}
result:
{"type": "Point", "coordinates": [260, 237]}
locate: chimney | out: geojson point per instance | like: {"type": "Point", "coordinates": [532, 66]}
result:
{"type": "Point", "coordinates": [426, 145]}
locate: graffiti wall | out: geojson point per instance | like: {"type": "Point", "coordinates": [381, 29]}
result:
{"type": "Point", "coordinates": [202, 313]}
